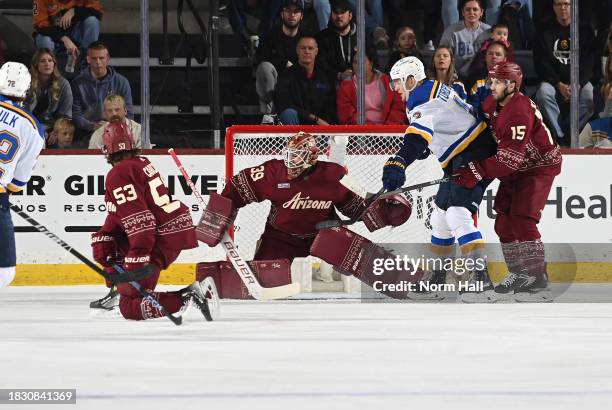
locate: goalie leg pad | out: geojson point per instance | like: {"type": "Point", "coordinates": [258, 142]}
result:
{"type": "Point", "coordinates": [352, 254]}
{"type": "Point", "coordinates": [216, 218]}
{"type": "Point", "coordinates": [391, 211]}
{"type": "Point", "coordinates": [270, 273]}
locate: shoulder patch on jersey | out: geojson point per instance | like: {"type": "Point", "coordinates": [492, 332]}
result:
{"type": "Point", "coordinates": [283, 185]}
{"type": "Point", "coordinates": [416, 115]}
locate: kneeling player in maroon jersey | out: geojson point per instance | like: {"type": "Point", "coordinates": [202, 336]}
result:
{"type": "Point", "coordinates": [303, 192]}
{"type": "Point", "coordinates": [526, 163]}
{"type": "Point", "coordinates": [144, 226]}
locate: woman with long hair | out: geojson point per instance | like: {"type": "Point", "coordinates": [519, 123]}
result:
{"type": "Point", "coordinates": [50, 96]}
{"type": "Point", "coordinates": [382, 106]}
{"type": "Point", "coordinates": [443, 70]}
{"type": "Point", "coordinates": [405, 45]}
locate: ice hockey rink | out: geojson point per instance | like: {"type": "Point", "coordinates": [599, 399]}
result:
{"type": "Point", "coordinates": [313, 354]}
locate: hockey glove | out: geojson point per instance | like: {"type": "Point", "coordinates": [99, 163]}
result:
{"type": "Point", "coordinates": [136, 259]}
{"type": "Point", "coordinates": [469, 175]}
{"type": "Point", "coordinates": [394, 173]}
{"type": "Point", "coordinates": [103, 247]}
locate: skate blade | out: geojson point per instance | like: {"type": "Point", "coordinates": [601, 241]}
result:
{"type": "Point", "coordinates": [105, 313]}
{"type": "Point", "coordinates": [425, 296]}
{"type": "Point", "coordinates": [543, 296]}
{"type": "Point", "coordinates": [488, 296]}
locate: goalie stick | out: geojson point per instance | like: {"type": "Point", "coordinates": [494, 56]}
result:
{"type": "Point", "coordinates": [333, 223]}
{"type": "Point", "coordinates": [177, 320]}
{"type": "Point", "coordinates": [244, 271]}
{"type": "Point", "coordinates": [136, 275]}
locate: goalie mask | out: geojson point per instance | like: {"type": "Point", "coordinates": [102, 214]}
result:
{"type": "Point", "coordinates": [301, 153]}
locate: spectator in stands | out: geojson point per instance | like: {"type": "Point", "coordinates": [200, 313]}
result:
{"type": "Point", "coordinates": [73, 24]}
{"type": "Point", "coordinates": [336, 43]}
{"type": "Point", "coordinates": [382, 106]}
{"type": "Point", "coordinates": [551, 54]}
{"type": "Point", "coordinates": [50, 96]}
{"type": "Point", "coordinates": [596, 134]}
{"type": "Point", "coordinates": [322, 9]}
{"type": "Point", "coordinates": [374, 21]}
{"type": "Point", "coordinates": [602, 97]}
{"type": "Point", "coordinates": [499, 33]}
{"type": "Point", "coordinates": [443, 70]}
{"type": "Point", "coordinates": [405, 45]}
{"type": "Point", "coordinates": [90, 88]}
{"type": "Point", "coordinates": [15, 44]}
{"type": "Point", "coordinates": [306, 92]}
{"type": "Point", "coordinates": [115, 110]}
{"type": "Point", "coordinates": [496, 53]}
{"type": "Point", "coordinates": [463, 37]}
{"type": "Point", "coordinates": [276, 52]}
{"type": "Point", "coordinates": [62, 134]}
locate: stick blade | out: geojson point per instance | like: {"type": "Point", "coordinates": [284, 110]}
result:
{"type": "Point", "coordinates": [279, 292]}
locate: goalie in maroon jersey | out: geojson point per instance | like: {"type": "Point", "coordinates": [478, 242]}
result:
{"type": "Point", "coordinates": [303, 191]}
{"type": "Point", "coordinates": [526, 163]}
{"type": "Point", "coordinates": [143, 226]}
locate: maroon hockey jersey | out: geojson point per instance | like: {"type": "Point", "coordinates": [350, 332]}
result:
{"type": "Point", "coordinates": [142, 213]}
{"type": "Point", "coordinates": [524, 142]}
{"type": "Point", "coordinates": [297, 204]}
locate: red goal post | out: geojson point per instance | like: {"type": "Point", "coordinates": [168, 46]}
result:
{"type": "Point", "coordinates": [362, 149]}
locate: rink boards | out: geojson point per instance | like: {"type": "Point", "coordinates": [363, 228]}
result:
{"type": "Point", "coordinates": [66, 194]}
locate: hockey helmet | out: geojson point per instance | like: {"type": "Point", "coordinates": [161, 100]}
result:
{"type": "Point", "coordinates": [404, 68]}
{"type": "Point", "coordinates": [300, 153]}
{"type": "Point", "coordinates": [507, 71]}
{"type": "Point", "coordinates": [15, 79]}
{"type": "Point", "coordinates": [117, 137]}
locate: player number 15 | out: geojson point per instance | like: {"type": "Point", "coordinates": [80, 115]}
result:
{"type": "Point", "coordinates": [518, 132]}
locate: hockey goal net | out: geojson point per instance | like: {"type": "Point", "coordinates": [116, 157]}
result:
{"type": "Point", "coordinates": [362, 149]}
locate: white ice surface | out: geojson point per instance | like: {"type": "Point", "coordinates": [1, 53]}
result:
{"type": "Point", "coordinates": [339, 354]}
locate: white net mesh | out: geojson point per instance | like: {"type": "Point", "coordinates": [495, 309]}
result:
{"type": "Point", "coordinates": [363, 152]}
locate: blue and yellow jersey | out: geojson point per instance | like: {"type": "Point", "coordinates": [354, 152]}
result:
{"type": "Point", "coordinates": [442, 118]}
{"type": "Point", "coordinates": [21, 139]}
{"type": "Point", "coordinates": [478, 93]}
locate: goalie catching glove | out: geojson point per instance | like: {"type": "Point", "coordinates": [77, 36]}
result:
{"type": "Point", "coordinates": [391, 211]}
{"type": "Point", "coordinates": [216, 219]}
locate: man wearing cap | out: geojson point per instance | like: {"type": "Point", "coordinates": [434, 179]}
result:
{"type": "Point", "coordinates": [336, 43]}
{"type": "Point", "coordinates": [277, 52]}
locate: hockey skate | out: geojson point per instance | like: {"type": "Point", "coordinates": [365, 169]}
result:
{"type": "Point", "coordinates": [434, 277]}
{"type": "Point", "coordinates": [204, 296]}
{"type": "Point", "coordinates": [106, 306]}
{"type": "Point", "coordinates": [478, 288]}
{"type": "Point", "coordinates": [532, 289]}
{"type": "Point", "coordinates": [508, 284]}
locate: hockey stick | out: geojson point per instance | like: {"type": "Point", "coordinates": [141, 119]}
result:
{"type": "Point", "coordinates": [244, 270]}
{"type": "Point", "coordinates": [138, 274]}
{"type": "Point", "coordinates": [145, 294]}
{"type": "Point", "coordinates": [334, 223]}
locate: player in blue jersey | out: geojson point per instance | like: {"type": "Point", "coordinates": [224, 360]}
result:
{"type": "Point", "coordinates": [442, 124]}
{"type": "Point", "coordinates": [21, 139]}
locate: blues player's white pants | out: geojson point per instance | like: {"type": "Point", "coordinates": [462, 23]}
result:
{"type": "Point", "coordinates": [7, 239]}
